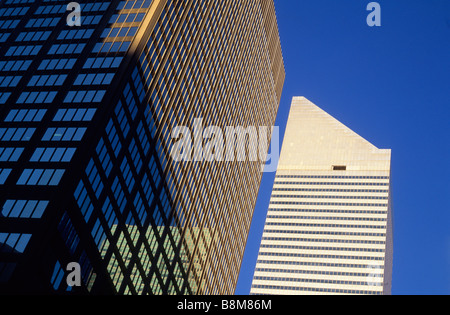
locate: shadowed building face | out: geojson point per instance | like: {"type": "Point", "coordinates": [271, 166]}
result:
{"type": "Point", "coordinates": [86, 114]}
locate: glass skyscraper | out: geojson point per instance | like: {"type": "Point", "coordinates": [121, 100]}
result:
{"type": "Point", "coordinates": [86, 115]}
{"type": "Point", "coordinates": [329, 225]}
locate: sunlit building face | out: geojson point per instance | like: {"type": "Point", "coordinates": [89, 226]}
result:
{"type": "Point", "coordinates": [329, 224]}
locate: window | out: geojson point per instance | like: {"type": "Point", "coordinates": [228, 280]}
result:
{"type": "Point", "coordinates": [4, 173]}
{"type": "Point", "coordinates": [4, 97]}
{"type": "Point", "coordinates": [58, 275]}
{"type": "Point", "coordinates": [339, 168]}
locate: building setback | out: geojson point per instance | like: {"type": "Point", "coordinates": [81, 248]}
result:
{"type": "Point", "coordinates": [86, 114]}
{"type": "Point", "coordinates": [329, 225]}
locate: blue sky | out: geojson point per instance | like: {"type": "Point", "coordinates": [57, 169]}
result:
{"type": "Point", "coordinates": [391, 85]}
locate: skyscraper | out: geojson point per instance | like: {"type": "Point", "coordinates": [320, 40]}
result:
{"type": "Point", "coordinates": [86, 114]}
{"type": "Point", "coordinates": [329, 225]}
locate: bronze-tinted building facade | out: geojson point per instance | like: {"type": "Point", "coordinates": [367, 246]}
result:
{"type": "Point", "coordinates": [86, 121]}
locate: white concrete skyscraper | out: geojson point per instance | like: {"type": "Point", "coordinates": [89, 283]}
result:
{"type": "Point", "coordinates": [329, 224]}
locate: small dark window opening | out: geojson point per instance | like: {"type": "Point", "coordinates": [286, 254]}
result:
{"type": "Point", "coordinates": [339, 168]}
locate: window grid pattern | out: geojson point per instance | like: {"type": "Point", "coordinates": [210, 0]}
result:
{"type": "Point", "coordinates": [165, 207]}
{"type": "Point", "coordinates": [320, 227]}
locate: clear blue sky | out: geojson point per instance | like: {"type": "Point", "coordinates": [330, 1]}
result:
{"type": "Point", "coordinates": [391, 85]}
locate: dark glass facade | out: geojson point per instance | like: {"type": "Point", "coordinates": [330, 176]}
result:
{"type": "Point", "coordinates": [86, 114]}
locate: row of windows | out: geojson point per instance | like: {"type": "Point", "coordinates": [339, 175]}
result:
{"type": "Point", "coordinates": [91, 96]}
{"type": "Point", "coordinates": [24, 209]}
{"type": "Point", "coordinates": [349, 226]}
{"type": "Point", "coordinates": [15, 65]}
{"type": "Point", "coordinates": [119, 32]}
{"type": "Point", "coordinates": [332, 190]}
{"type": "Point", "coordinates": [61, 49]}
{"type": "Point", "coordinates": [43, 22]}
{"type": "Point", "coordinates": [75, 34]}
{"type": "Point", "coordinates": [313, 264]}
{"type": "Point", "coordinates": [349, 249]}
{"type": "Point", "coordinates": [327, 211]}
{"type": "Point", "coordinates": [280, 232]}
{"type": "Point", "coordinates": [85, 7]}
{"type": "Point", "coordinates": [16, 134]}
{"type": "Point", "coordinates": [58, 64]}
{"type": "Point", "coordinates": [111, 47]}
{"type": "Point", "coordinates": [299, 239]}
{"type": "Point", "coordinates": [94, 7]}
{"type": "Point", "coordinates": [19, 1]}
{"type": "Point", "coordinates": [75, 114]}
{"type": "Point", "coordinates": [293, 217]}
{"type": "Point", "coordinates": [84, 201]}
{"type": "Point", "coordinates": [51, 9]}
{"type": "Point", "coordinates": [315, 256]}
{"type": "Point", "coordinates": [23, 50]}
{"type": "Point", "coordinates": [94, 79]}
{"type": "Point", "coordinates": [10, 154]}
{"type": "Point", "coordinates": [37, 97]}
{"type": "Point", "coordinates": [127, 18]}
{"type": "Point", "coordinates": [53, 155]}
{"type": "Point", "coordinates": [33, 36]}
{"type": "Point", "coordinates": [64, 134]}
{"type": "Point", "coordinates": [18, 11]}
{"type": "Point", "coordinates": [297, 288]}
{"type": "Point", "coordinates": [331, 183]}
{"type": "Point", "coordinates": [103, 63]}
{"type": "Point", "coordinates": [47, 80]}
{"type": "Point", "coordinates": [333, 177]}
{"type": "Point", "coordinates": [131, 4]}
{"type": "Point", "coordinates": [328, 204]}
{"type": "Point", "coordinates": [326, 281]}
{"type": "Point", "coordinates": [26, 115]}
{"type": "Point", "coordinates": [68, 233]}
{"type": "Point", "coordinates": [40, 177]}
{"type": "Point", "coordinates": [318, 272]}
{"type": "Point", "coordinates": [9, 81]}
{"type": "Point", "coordinates": [330, 197]}
{"type": "Point", "coordinates": [8, 24]}
{"type": "Point", "coordinates": [13, 242]}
